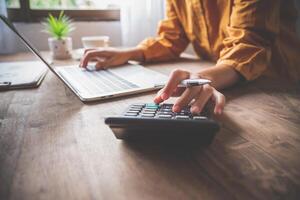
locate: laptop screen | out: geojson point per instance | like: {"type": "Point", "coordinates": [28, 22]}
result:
{"type": "Point", "coordinates": [17, 50]}
{"type": "Point", "coordinates": [14, 44]}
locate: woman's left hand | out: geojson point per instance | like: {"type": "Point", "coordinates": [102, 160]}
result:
{"type": "Point", "coordinates": [196, 96]}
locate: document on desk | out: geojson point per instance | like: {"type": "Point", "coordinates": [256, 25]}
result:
{"type": "Point", "coordinates": [18, 75]}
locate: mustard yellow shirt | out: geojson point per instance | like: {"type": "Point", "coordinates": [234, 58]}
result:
{"type": "Point", "coordinates": [255, 37]}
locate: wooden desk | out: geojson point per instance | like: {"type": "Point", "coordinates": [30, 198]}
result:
{"type": "Point", "coordinates": [52, 146]}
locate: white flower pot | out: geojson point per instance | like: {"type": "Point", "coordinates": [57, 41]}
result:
{"type": "Point", "coordinates": [60, 49]}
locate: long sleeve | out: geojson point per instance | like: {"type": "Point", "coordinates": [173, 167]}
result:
{"type": "Point", "coordinates": [171, 40]}
{"type": "Point", "coordinates": [252, 30]}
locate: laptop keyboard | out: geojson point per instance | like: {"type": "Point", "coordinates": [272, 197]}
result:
{"type": "Point", "coordinates": [95, 82]}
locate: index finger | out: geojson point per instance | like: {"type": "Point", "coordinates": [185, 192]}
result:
{"type": "Point", "coordinates": [176, 77]}
{"type": "Point", "coordinates": [87, 50]}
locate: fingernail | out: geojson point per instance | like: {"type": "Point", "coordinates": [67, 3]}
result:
{"type": "Point", "coordinates": [195, 110]}
{"type": "Point", "coordinates": [156, 100]}
{"type": "Point", "coordinates": [176, 108]}
{"type": "Point", "coordinates": [220, 111]}
{"type": "Point", "coordinates": [164, 96]}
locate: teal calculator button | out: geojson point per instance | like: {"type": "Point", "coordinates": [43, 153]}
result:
{"type": "Point", "coordinates": [152, 105]}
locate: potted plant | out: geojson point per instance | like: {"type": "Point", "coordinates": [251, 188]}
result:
{"type": "Point", "coordinates": [59, 28]}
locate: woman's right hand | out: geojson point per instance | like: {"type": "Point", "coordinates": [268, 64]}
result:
{"type": "Point", "coordinates": [197, 97]}
{"type": "Point", "coordinates": [106, 58]}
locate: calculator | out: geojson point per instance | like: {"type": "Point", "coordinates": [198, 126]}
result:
{"type": "Point", "coordinates": [157, 121]}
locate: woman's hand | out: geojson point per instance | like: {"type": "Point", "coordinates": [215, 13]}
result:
{"type": "Point", "coordinates": [110, 57]}
{"type": "Point", "coordinates": [197, 96]}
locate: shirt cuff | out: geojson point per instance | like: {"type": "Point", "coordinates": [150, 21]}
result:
{"type": "Point", "coordinates": [240, 68]}
{"type": "Point", "coordinates": [154, 50]}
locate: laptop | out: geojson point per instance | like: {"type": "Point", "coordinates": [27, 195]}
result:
{"type": "Point", "coordinates": [103, 84]}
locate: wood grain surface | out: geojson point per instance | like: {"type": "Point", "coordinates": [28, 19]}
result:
{"type": "Point", "coordinates": [53, 146]}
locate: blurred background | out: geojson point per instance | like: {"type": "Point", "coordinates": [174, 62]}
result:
{"type": "Point", "coordinates": [126, 22]}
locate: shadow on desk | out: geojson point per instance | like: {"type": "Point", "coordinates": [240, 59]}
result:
{"type": "Point", "coordinates": [187, 145]}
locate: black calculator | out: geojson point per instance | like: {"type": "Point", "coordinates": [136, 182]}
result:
{"type": "Point", "coordinates": [149, 120]}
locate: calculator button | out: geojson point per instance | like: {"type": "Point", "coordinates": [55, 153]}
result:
{"type": "Point", "coordinates": [139, 104]}
{"type": "Point", "coordinates": [164, 113]}
{"type": "Point", "coordinates": [131, 114]}
{"type": "Point", "coordinates": [165, 116]}
{"type": "Point", "coordinates": [166, 110]}
{"type": "Point", "coordinates": [148, 112]}
{"type": "Point", "coordinates": [135, 109]}
{"type": "Point", "coordinates": [132, 111]}
{"type": "Point", "coordinates": [152, 105]}
{"type": "Point", "coordinates": [150, 109]}
{"type": "Point", "coordinates": [183, 113]}
{"type": "Point", "coordinates": [182, 117]}
{"type": "Point", "coordinates": [199, 117]}
{"type": "Point", "coordinates": [147, 115]}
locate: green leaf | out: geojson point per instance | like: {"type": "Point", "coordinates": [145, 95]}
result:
{"type": "Point", "coordinates": [59, 27]}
